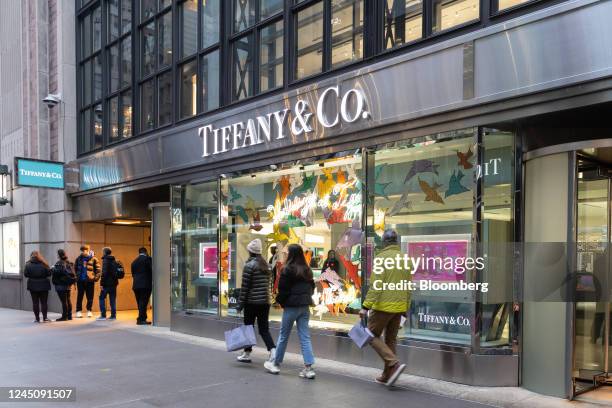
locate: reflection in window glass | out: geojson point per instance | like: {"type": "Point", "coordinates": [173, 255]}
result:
{"type": "Point", "coordinates": [504, 4]}
{"type": "Point", "coordinates": [424, 192]}
{"type": "Point", "coordinates": [113, 19]}
{"type": "Point", "coordinates": [309, 41]}
{"type": "Point", "coordinates": [147, 99]}
{"type": "Point", "coordinates": [86, 30]}
{"type": "Point", "coordinates": [314, 205]}
{"type": "Point", "coordinates": [244, 14]}
{"type": "Point", "coordinates": [194, 248]}
{"type": "Point", "coordinates": [271, 57]}
{"type": "Point", "coordinates": [164, 88]}
{"type": "Point", "coordinates": [86, 131]}
{"type": "Point", "coordinates": [243, 68]}
{"type": "Point", "coordinates": [97, 28]}
{"type": "Point", "coordinates": [97, 83]}
{"type": "Point", "coordinates": [189, 27]}
{"type": "Point", "coordinates": [268, 8]}
{"type": "Point", "coordinates": [126, 115]}
{"type": "Point", "coordinates": [126, 16]}
{"type": "Point", "coordinates": [147, 9]}
{"type": "Point", "coordinates": [165, 39]}
{"type": "Point", "coordinates": [126, 62]}
{"type": "Point", "coordinates": [148, 49]}
{"type": "Point", "coordinates": [347, 31]}
{"type": "Point", "coordinates": [164, 3]}
{"type": "Point", "coordinates": [114, 119]}
{"type": "Point", "coordinates": [87, 83]}
{"type": "Point", "coordinates": [189, 89]}
{"type": "Point", "coordinates": [210, 81]}
{"type": "Point", "coordinates": [497, 236]}
{"type": "Point", "coordinates": [448, 14]}
{"type": "Point", "coordinates": [97, 125]}
{"type": "Point", "coordinates": [114, 67]}
{"type": "Point", "coordinates": [210, 22]}
{"type": "Point", "coordinates": [403, 22]}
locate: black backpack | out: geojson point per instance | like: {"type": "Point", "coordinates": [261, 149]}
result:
{"type": "Point", "coordinates": [62, 274]}
{"type": "Point", "coordinates": [119, 270]}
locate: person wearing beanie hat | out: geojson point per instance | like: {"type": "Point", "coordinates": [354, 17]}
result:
{"type": "Point", "coordinates": [255, 298]}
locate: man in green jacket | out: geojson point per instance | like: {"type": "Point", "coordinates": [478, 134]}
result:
{"type": "Point", "coordinates": [387, 300]}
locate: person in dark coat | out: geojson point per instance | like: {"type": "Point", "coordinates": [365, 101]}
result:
{"type": "Point", "coordinates": [142, 283]}
{"type": "Point", "coordinates": [295, 289]}
{"type": "Point", "coordinates": [255, 296]}
{"type": "Point", "coordinates": [63, 279]}
{"type": "Point", "coordinates": [87, 269]}
{"type": "Point", "coordinates": [108, 284]}
{"type": "Point", "coordinates": [37, 271]}
{"type": "Point", "coordinates": [331, 262]}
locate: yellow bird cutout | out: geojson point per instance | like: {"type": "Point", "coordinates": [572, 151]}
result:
{"type": "Point", "coordinates": [379, 221]}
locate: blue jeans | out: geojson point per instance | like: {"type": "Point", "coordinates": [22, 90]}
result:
{"type": "Point", "coordinates": [112, 294]}
{"type": "Point", "coordinates": [301, 315]}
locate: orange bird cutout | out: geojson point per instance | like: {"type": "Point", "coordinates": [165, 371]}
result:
{"type": "Point", "coordinates": [341, 177]}
{"type": "Point", "coordinates": [352, 271]}
{"type": "Point", "coordinates": [464, 159]}
{"type": "Point", "coordinates": [285, 187]}
{"type": "Point", "coordinates": [431, 192]}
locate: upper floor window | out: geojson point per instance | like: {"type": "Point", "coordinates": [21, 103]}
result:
{"type": "Point", "coordinates": [452, 13]}
{"type": "Point", "coordinates": [257, 47]}
{"type": "Point", "coordinates": [403, 22]}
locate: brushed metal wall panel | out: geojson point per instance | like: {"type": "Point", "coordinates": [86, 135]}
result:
{"type": "Point", "coordinates": [562, 49]}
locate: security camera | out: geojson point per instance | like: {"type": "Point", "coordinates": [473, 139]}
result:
{"type": "Point", "coordinates": [52, 99]}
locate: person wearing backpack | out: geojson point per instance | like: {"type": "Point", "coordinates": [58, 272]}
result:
{"type": "Point", "coordinates": [87, 269]}
{"type": "Point", "coordinates": [112, 271]}
{"type": "Point", "coordinates": [63, 277]}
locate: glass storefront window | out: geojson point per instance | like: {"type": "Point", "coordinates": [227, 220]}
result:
{"type": "Point", "coordinates": [316, 205]}
{"type": "Point", "coordinates": [347, 31]}
{"type": "Point", "coordinates": [449, 14]}
{"type": "Point", "coordinates": [309, 41]}
{"type": "Point", "coordinates": [271, 57]}
{"type": "Point", "coordinates": [194, 248]}
{"type": "Point", "coordinates": [403, 22]}
{"type": "Point", "coordinates": [425, 193]}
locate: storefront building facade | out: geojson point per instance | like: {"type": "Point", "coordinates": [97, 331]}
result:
{"type": "Point", "coordinates": [242, 120]}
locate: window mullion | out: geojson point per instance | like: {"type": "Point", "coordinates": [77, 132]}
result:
{"type": "Point", "coordinates": [327, 31]}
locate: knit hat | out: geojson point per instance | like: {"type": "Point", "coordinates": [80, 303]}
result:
{"type": "Point", "coordinates": [254, 246]}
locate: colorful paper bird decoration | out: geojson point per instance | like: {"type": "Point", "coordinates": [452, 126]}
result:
{"type": "Point", "coordinates": [352, 271]}
{"type": "Point", "coordinates": [421, 166]}
{"type": "Point", "coordinates": [379, 220]}
{"type": "Point", "coordinates": [256, 225]}
{"type": "Point", "coordinates": [379, 189]}
{"type": "Point", "coordinates": [284, 187]}
{"type": "Point", "coordinates": [454, 185]}
{"type": "Point", "coordinates": [431, 192]}
{"type": "Point", "coordinates": [277, 235]}
{"type": "Point", "coordinates": [325, 185]}
{"type": "Point", "coordinates": [341, 177]}
{"type": "Point", "coordinates": [352, 236]}
{"type": "Point", "coordinates": [308, 183]}
{"type": "Point", "coordinates": [464, 159]}
{"type": "Point", "coordinates": [336, 216]}
{"type": "Point", "coordinates": [293, 222]}
{"type": "Point", "coordinates": [241, 212]}
{"type": "Point", "coordinates": [251, 204]}
{"type": "Point", "coordinates": [400, 204]}
{"type": "Point", "coordinates": [234, 195]}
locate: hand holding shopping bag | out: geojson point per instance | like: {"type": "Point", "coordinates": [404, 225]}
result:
{"type": "Point", "coordinates": [360, 334]}
{"type": "Point", "coordinates": [240, 337]}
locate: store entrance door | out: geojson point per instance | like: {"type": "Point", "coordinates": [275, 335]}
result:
{"type": "Point", "coordinates": [592, 366]}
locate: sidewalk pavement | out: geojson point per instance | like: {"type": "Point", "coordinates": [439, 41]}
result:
{"type": "Point", "coordinates": [119, 364]}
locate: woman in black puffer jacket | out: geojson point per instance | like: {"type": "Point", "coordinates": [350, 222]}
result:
{"type": "Point", "coordinates": [37, 271]}
{"type": "Point", "coordinates": [255, 298]}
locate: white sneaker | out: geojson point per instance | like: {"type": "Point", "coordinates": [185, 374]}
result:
{"type": "Point", "coordinates": [89, 314]}
{"type": "Point", "coordinates": [308, 373]}
{"type": "Point", "coordinates": [271, 367]}
{"type": "Point", "coordinates": [245, 357]}
{"type": "Point", "coordinates": [272, 355]}
{"type": "Point", "coordinates": [79, 315]}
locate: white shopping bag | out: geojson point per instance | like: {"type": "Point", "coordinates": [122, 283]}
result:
{"type": "Point", "coordinates": [360, 334]}
{"type": "Point", "coordinates": [240, 337]}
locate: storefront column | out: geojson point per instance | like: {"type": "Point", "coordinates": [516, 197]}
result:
{"type": "Point", "coordinates": [160, 252]}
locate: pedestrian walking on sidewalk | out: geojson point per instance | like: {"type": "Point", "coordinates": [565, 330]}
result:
{"type": "Point", "coordinates": [37, 271]}
{"type": "Point", "coordinates": [255, 299]}
{"type": "Point", "coordinates": [295, 290]}
{"type": "Point", "coordinates": [386, 308]}
{"type": "Point", "coordinates": [112, 271]}
{"type": "Point", "coordinates": [142, 283]}
{"type": "Point", "coordinates": [87, 269]}
{"type": "Point", "coordinates": [63, 278]}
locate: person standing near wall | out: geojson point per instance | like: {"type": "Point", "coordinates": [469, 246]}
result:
{"type": "Point", "coordinates": [37, 271]}
{"type": "Point", "coordinates": [63, 279]}
{"type": "Point", "coordinates": [142, 283]}
{"type": "Point", "coordinates": [88, 271]}
{"type": "Point", "coordinates": [112, 271]}
{"type": "Point", "coordinates": [255, 299]}
{"type": "Point", "coordinates": [386, 308]}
